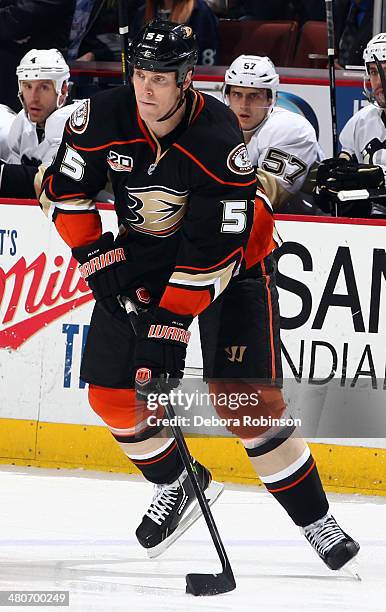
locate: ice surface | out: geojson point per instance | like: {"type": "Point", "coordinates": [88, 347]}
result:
{"type": "Point", "coordinates": [74, 530]}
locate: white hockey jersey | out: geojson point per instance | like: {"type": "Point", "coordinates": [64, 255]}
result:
{"type": "Point", "coordinates": [23, 139]}
{"type": "Point", "coordinates": [7, 117]}
{"type": "Point", "coordinates": [364, 136]}
{"type": "Point", "coordinates": [285, 145]}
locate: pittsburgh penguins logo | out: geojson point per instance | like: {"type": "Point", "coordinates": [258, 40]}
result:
{"type": "Point", "coordinates": [375, 152]}
{"type": "Point", "coordinates": [155, 210]}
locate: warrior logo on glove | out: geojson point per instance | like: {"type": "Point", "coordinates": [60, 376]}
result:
{"type": "Point", "coordinates": [102, 261]}
{"type": "Point", "coordinates": [168, 332]}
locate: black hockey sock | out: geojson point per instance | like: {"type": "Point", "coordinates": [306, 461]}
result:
{"type": "Point", "coordinates": [299, 490]}
{"type": "Point", "coordinates": [162, 466]}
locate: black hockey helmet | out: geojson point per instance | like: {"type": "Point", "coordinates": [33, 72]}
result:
{"type": "Point", "coordinates": [164, 46]}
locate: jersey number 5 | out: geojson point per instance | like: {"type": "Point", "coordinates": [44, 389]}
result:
{"type": "Point", "coordinates": [73, 164]}
{"type": "Point", "coordinates": [234, 218]}
{"type": "Point", "coordinates": [276, 162]}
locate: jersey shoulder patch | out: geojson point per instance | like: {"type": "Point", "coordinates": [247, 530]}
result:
{"type": "Point", "coordinates": [80, 117]}
{"type": "Point", "coordinates": [238, 160]}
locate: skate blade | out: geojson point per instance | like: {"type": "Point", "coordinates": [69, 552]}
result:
{"type": "Point", "coordinates": [352, 569]}
{"type": "Point", "coordinates": [212, 493]}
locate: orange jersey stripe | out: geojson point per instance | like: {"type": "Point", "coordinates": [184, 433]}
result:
{"type": "Point", "coordinates": [260, 242]}
{"type": "Point", "coordinates": [273, 361]}
{"type": "Point", "coordinates": [208, 172]}
{"type": "Point", "coordinates": [200, 106]}
{"type": "Point", "coordinates": [239, 251]}
{"type": "Point", "coordinates": [145, 132]}
{"type": "Point", "coordinates": [185, 301]}
{"type": "Point", "coordinates": [69, 196]}
{"type": "Point", "coordinates": [78, 229]}
{"type": "Point", "coordinates": [109, 144]}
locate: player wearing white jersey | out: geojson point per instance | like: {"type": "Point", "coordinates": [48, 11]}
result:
{"type": "Point", "coordinates": [36, 131]}
{"type": "Point", "coordinates": [279, 142]}
{"type": "Point", "coordinates": [6, 118]}
{"type": "Point", "coordinates": [363, 138]}
{"type": "Point", "coordinates": [362, 160]}
{"type": "Point", "coordinates": [30, 140]}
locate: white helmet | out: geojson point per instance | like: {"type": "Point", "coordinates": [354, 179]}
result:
{"type": "Point", "coordinates": [376, 48]}
{"type": "Point", "coordinates": [44, 64]}
{"type": "Point", "coordinates": [253, 71]}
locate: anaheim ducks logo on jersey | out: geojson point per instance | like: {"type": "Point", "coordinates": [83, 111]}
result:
{"type": "Point", "coordinates": [238, 160]}
{"type": "Point", "coordinates": [155, 210]}
{"type": "Point", "coordinates": [79, 118]}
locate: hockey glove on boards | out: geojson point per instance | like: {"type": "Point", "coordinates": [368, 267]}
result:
{"type": "Point", "coordinates": [162, 340]}
{"type": "Point", "coordinates": [103, 266]}
{"type": "Point", "coordinates": [337, 174]}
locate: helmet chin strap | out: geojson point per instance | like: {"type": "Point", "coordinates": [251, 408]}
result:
{"type": "Point", "coordinates": [174, 109]}
{"type": "Point", "coordinates": [253, 129]}
{"type": "Point", "coordinates": [382, 77]}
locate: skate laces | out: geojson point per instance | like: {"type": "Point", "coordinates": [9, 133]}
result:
{"type": "Point", "coordinates": [324, 534]}
{"type": "Point", "coordinates": [163, 501]}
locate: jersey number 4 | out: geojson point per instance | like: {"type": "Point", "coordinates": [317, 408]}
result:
{"type": "Point", "coordinates": [276, 162]}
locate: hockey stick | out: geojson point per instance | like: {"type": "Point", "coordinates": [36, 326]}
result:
{"type": "Point", "coordinates": [123, 37]}
{"type": "Point", "coordinates": [202, 584]}
{"type": "Point", "coordinates": [331, 72]}
{"type": "Point", "coordinates": [196, 584]}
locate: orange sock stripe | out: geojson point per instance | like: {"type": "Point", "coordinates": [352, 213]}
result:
{"type": "Point", "coordinates": [159, 458]}
{"type": "Point", "coordinates": [296, 481]}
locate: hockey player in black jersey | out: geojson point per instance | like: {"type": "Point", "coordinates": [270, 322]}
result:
{"type": "Point", "coordinates": [195, 239]}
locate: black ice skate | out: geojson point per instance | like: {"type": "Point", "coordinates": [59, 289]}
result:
{"type": "Point", "coordinates": [332, 544]}
{"type": "Point", "coordinates": [173, 509]}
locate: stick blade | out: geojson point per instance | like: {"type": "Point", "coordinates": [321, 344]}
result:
{"type": "Point", "coordinates": [210, 584]}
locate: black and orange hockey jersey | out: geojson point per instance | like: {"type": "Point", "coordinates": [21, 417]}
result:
{"type": "Point", "coordinates": [187, 201]}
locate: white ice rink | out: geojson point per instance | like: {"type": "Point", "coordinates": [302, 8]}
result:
{"type": "Point", "coordinates": [75, 531]}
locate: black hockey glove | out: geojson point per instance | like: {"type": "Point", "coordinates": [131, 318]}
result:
{"type": "Point", "coordinates": [103, 265]}
{"type": "Point", "coordinates": [162, 340]}
{"type": "Point", "coordinates": [338, 174]}
{"type": "Point", "coordinates": [17, 180]}
{"type": "Point", "coordinates": [31, 161]}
